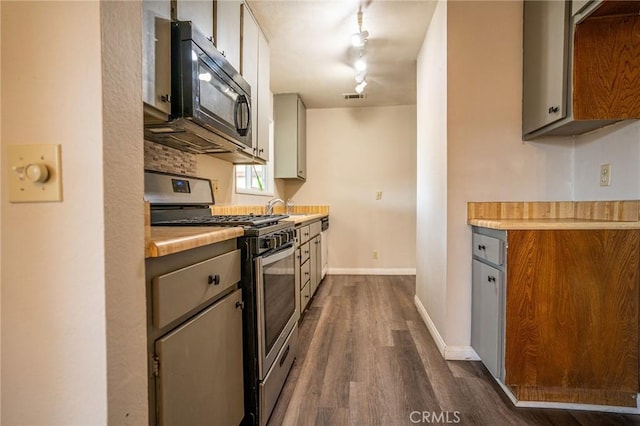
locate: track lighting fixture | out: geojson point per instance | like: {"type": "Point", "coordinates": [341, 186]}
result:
{"type": "Point", "coordinates": [358, 40]}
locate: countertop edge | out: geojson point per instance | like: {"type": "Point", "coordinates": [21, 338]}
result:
{"type": "Point", "coordinates": [168, 240]}
{"type": "Point", "coordinates": [551, 224]}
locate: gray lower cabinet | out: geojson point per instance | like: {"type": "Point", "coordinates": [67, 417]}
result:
{"type": "Point", "coordinates": [194, 337]}
{"type": "Point", "coordinates": [308, 260]}
{"type": "Point", "coordinates": [200, 379]}
{"type": "Point", "coordinates": [488, 299]}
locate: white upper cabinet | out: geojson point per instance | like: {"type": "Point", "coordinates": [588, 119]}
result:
{"type": "Point", "coordinates": [156, 62]}
{"type": "Point", "coordinates": [227, 30]}
{"type": "Point", "coordinates": [249, 66]}
{"type": "Point", "coordinates": [264, 102]}
{"type": "Point", "coordinates": [545, 63]}
{"type": "Point", "coordinates": [199, 12]}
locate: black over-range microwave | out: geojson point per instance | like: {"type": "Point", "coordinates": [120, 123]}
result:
{"type": "Point", "coordinates": [210, 100]}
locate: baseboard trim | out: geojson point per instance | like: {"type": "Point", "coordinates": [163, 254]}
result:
{"type": "Point", "coordinates": [371, 271]}
{"type": "Point", "coordinates": [452, 353]}
{"type": "Point", "coordinates": [568, 405]}
{"type": "Point", "coordinates": [430, 326]}
{"type": "Point", "coordinates": [460, 353]}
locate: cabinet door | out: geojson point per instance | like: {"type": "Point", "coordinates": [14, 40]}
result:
{"type": "Point", "coordinates": [263, 102]}
{"type": "Point", "coordinates": [227, 36]}
{"type": "Point", "coordinates": [545, 63]}
{"type": "Point", "coordinates": [314, 264]}
{"type": "Point", "coordinates": [200, 380]}
{"type": "Point", "coordinates": [485, 315]}
{"type": "Point", "coordinates": [296, 269]}
{"type": "Point", "coordinates": [156, 54]}
{"type": "Point", "coordinates": [318, 244]}
{"type": "Point", "coordinates": [302, 140]}
{"type": "Point", "coordinates": [249, 68]}
{"type": "Point", "coordinates": [200, 12]}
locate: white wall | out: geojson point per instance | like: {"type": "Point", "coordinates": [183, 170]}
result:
{"type": "Point", "coordinates": [60, 289]}
{"type": "Point", "coordinates": [486, 158]}
{"type": "Point", "coordinates": [618, 145]}
{"type": "Point", "coordinates": [352, 153]}
{"type": "Point", "coordinates": [431, 224]}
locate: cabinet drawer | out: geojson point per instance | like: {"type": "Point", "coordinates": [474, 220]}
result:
{"type": "Point", "coordinates": [315, 228]}
{"type": "Point", "coordinates": [305, 296]}
{"type": "Point", "coordinates": [304, 252]}
{"type": "Point", "coordinates": [488, 248]}
{"type": "Point", "coordinates": [304, 233]}
{"type": "Point", "coordinates": [305, 273]}
{"type": "Point", "coordinates": [178, 292]}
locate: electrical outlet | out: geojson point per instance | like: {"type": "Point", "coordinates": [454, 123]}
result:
{"type": "Point", "coordinates": [375, 255]}
{"type": "Point", "coordinates": [605, 175]}
{"type": "Point", "coordinates": [216, 187]}
{"type": "Point", "coordinates": [379, 195]}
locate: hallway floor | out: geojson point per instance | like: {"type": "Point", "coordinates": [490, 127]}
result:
{"type": "Point", "coordinates": [367, 358]}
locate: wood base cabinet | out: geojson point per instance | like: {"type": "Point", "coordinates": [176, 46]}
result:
{"type": "Point", "coordinates": [572, 316]}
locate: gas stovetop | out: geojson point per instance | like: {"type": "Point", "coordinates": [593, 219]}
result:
{"type": "Point", "coordinates": [229, 220]}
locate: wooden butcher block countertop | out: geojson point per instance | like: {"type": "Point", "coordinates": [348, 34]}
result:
{"type": "Point", "coordinates": [302, 218]}
{"type": "Point", "coordinates": [555, 215]}
{"type": "Point", "coordinates": [552, 224]}
{"type": "Point", "coordinates": [165, 240]}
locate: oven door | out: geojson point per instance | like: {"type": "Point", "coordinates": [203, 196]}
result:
{"type": "Point", "coordinates": [276, 303]}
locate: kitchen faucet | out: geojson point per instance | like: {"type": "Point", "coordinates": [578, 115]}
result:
{"type": "Point", "coordinates": [271, 203]}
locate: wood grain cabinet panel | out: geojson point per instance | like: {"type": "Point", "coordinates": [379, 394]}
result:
{"type": "Point", "coordinates": [606, 72]}
{"type": "Point", "coordinates": [572, 316]}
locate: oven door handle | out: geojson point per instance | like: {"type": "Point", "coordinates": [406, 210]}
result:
{"type": "Point", "coordinates": [286, 251]}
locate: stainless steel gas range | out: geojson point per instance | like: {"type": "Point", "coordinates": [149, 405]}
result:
{"type": "Point", "coordinates": [271, 308]}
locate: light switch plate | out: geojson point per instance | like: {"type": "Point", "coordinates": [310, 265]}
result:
{"type": "Point", "coordinates": [605, 175]}
{"type": "Point", "coordinates": [22, 189]}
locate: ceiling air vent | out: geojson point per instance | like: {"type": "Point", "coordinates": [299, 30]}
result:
{"type": "Point", "coordinates": [354, 95]}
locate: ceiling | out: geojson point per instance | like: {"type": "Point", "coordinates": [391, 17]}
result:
{"type": "Point", "coordinates": [311, 53]}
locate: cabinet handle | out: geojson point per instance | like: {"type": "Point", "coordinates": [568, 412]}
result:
{"type": "Point", "coordinates": [306, 252]}
{"type": "Point", "coordinates": [240, 305]}
{"type": "Point", "coordinates": [306, 273]}
{"type": "Point", "coordinates": [214, 279]}
{"type": "Point", "coordinates": [491, 279]}
{"type": "Point", "coordinates": [482, 247]}
{"type": "Point", "coordinates": [306, 296]}
{"type": "Point", "coordinates": [554, 109]}
{"type": "Point", "coordinates": [165, 98]}
{"type": "Point", "coordinates": [260, 150]}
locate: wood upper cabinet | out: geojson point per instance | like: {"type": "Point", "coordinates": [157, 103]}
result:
{"type": "Point", "coordinates": [572, 316]}
{"type": "Point", "coordinates": [581, 66]}
{"type": "Point", "coordinates": [227, 30]}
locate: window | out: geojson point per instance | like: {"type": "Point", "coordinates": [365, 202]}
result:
{"type": "Point", "coordinates": [256, 179]}
{"type": "Point", "coordinates": [253, 179]}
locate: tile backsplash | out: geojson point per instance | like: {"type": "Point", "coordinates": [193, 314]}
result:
{"type": "Point", "coordinates": [166, 159]}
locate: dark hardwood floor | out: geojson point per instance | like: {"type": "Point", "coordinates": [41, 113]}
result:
{"type": "Point", "coordinates": [367, 358]}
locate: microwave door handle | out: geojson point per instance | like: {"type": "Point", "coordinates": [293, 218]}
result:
{"type": "Point", "coordinates": [241, 102]}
